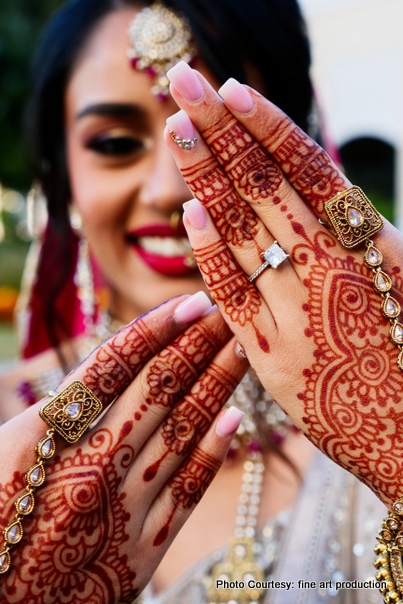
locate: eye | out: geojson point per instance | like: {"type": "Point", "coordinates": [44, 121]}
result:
{"type": "Point", "coordinates": [116, 144]}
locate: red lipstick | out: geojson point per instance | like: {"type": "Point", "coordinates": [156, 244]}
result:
{"type": "Point", "coordinates": [170, 265]}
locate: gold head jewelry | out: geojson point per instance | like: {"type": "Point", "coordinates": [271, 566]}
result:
{"type": "Point", "coordinates": [159, 39]}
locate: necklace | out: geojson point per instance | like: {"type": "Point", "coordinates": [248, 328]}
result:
{"type": "Point", "coordinates": [237, 579]}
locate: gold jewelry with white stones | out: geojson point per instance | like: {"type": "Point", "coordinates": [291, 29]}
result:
{"type": "Point", "coordinates": [159, 39]}
{"type": "Point", "coordinates": [354, 220]}
{"type": "Point", "coordinates": [69, 413]}
{"type": "Point", "coordinates": [389, 553]}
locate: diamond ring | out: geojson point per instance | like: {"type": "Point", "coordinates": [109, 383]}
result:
{"type": "Point", "coordinates": [273, 257]}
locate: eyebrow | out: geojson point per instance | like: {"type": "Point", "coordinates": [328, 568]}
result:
{"type": "Point", "coordinates": [111, 109]}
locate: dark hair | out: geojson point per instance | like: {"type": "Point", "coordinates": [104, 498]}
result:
{"type": "Point", "coordinates": [263, 38]}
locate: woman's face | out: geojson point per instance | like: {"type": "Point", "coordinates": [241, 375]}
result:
{"type": "Point", "coordinates": [124, 181]}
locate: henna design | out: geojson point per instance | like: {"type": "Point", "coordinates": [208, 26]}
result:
{"type": "Point", "coordinates": [74, 545]}
{"type": "Point", "coordinates": [189, 485]}
{"type": "Point", "coordinates": [228, 139]}
{"type": "Point", "coordinates": [230, 288]}
{"type": "Point", "coordinates": [307, 166]}
{"type": "Point", "coordinates": [354, 385]}
{"type": "Point", "coordinates": [233, 217]}
{"type": "Point", "coordinates": [191, 419]}
{"type": "Point", "coordinates": [256, 177]}
{"type": "Point", "coordinates": [117, 362]}
{"type": "Point", "coordinates": [251, 170]}
{"type": "Point", "coordinates": [177, 367]}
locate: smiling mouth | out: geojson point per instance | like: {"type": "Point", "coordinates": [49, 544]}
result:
{"type": "Point", "coordinates": [162, 251]}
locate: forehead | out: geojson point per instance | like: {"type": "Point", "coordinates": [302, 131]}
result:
{"type": "Point", "coordinates": [102, 69]}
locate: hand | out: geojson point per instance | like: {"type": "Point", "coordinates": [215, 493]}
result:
{"type": "Point", "coordinates": [312, 329]}
{"type": "Point", "coordinates": [112, 503]}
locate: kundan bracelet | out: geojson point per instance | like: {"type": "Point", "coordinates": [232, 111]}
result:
{"type": "Point", "coordinates": [354, 220]}
{"type": "Point", "coordinates": [69, 413]}
{"type": "Point", "coordinates": [389, 553]}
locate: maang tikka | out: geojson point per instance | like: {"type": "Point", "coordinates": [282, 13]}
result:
{"type": "Point", "coordinates": [159, 39]}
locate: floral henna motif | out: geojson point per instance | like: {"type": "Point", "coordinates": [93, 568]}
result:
{"type": "Point", "coordinates": [119, 361]}
{"type": "Point", "coordinates": [354, 386]}
{"type": "Point", "coordinates": [256, 177]}
{"type": "Point", "coordinates": [306, 165]}
{"type": "Point", "coordinates": [230, 287]}
{"type": "Point", "coordinates": [189, 485]}
{"type": "Point", "coordinates": [251, 170]}
{"type": "Point", "coordinates": [74, 547]}
{"type": "Point", "coordinates": [233, 217]}
{"type": "Point", "coordinates": [177, 367]}
{"type": "Point", "coordinates": [191, 419]}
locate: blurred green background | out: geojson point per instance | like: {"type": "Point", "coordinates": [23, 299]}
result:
{"type": "Point", "coordinates": [21, 22]}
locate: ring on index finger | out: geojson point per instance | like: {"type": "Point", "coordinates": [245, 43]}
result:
{"type": "Point", "coordinates": [273, 257]}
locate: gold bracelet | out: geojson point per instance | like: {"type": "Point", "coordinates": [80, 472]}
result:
{"type": "Point", "coordinates": [69, 413]}
{"type": "Point", "coordinates": [389, 553]}
{"type": "Point", "coordinates": [354, 220]}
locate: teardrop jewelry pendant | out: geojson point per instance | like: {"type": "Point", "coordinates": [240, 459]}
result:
{"type": "Point", "coordinates": [396, 333]}
{"type": "Point", "coordinates": [390, 307]}
{"type": "Point", "coordinates": [46, 447]}
{"type": "Point", "coordinates": [400, 360]}
{"type": "Point", "coordinates": [35, 475]}
{"type": "Point", "coordinates": [25, 504]}
{"type": "Point", "coordinates": [373, 257]}
{"type": "Point", "coordinates": [5, 561]}
{"type": "Point", "coordinates": [382, 282]}
{"type": "Point", "coordinates": [13, 532]}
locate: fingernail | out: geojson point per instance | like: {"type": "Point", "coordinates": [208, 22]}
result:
{"type": "Point", "coordinates": [192, 308]}
{"type": "Point", "coordinates": [186, 82]}
{"type": "Point", "coordinates": [196, 214]}
{"type": "Point", "coordinates": [236, 96]}
{"type": "Point", "coordinates": [229, 422]}
{"type": "Point", "coordinates": [181, 130]}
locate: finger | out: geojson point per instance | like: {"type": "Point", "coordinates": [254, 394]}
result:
{"type": "Point", "coordinates": [186, 424]}
{"type": "Point", "coordinates": [251, 170]}
{"type": "Point", "coordinates": [113, 365]}
{"type": "Point", "coordinates": [187, 486]}
{"type": "Point", "coordinates": [166, 379]}
{"type": "Point", "coordinates": [307, 166]}
{"type": "Point", "coordinates": [239, 226]}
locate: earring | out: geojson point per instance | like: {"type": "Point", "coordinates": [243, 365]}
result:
{"type": "Point", "coordinates": [84, 281]}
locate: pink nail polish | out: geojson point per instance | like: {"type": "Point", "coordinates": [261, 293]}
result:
{"type": "Point", "coordinates": [192, 308]}
{"type": "Point", "coordinates": [229, 422]}
{"type": "Point", "coordinates": [186, 82]}
{"type": "Point", "coordinates": [196, 214]}
{"type": "Point", "coordinates": [236, 96]}
{"type": "Point", "coordinates": [182, 130]}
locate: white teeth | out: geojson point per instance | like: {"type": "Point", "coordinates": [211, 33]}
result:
{"type": "Point", "coordinates": [165, 246]}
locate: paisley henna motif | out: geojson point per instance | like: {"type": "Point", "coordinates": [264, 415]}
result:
{"type": "Point", "coordinates": [74, 545]}
{"type": "Point", "coordinates": [353, 388]}
{"type": "Point", "coordinates": [177, 367]}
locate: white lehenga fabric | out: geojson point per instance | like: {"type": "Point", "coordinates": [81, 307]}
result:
{"type": "Point", "coordinates": [328, 536]}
